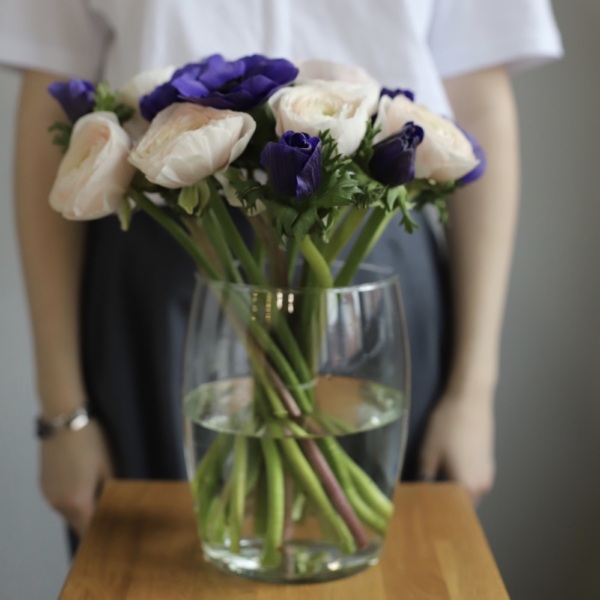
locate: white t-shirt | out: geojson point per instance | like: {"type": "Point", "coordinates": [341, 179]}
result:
{"type": "Point", "coordinates": [412, 44]}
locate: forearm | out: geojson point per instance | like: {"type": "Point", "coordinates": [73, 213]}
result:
{"type": "Point", "coordinates": [482, 228]}
{"type": "Point", "coordinates": [51, 253]}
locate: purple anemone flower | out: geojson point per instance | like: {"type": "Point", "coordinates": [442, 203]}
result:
{"type": "Point", "coordinates": [235, 85]}
{"type": "Point", "coordinates": [294, 164]}
{"type": "Point", "coordinates": [75, 96]}
{"type": "Point", "coordinates": [479, 170]}
{"type": "Point", "coordinates": [393, 160]}
{"type": "Point", "coordinates": [397, 92]}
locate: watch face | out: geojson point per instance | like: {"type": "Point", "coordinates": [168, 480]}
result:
{"type": "Point", "coordinates": [78, 422]}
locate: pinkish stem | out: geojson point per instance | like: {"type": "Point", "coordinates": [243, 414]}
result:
{"type": "Point", "coordinates": [335, 491]}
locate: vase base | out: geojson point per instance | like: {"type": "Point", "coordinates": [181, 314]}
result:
{"type": "Point", "coordinates": [301, 562]}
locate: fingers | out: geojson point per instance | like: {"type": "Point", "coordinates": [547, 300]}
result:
{"type": "Point", "coordinates": [75, 500]}
{"type": "Point", "coordinates": [475, 473]}
{"type": "Point", "coordinates": [73, 468]}
{"type": "Point", "coordinates": [79, 515]}
{"type": "Point", "coordinates": [478, 484]}
{"type": "Point", "coordinates": [431, 464]}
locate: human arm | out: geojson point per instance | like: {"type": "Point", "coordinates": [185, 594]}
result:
{"type": "Point", "coordinates": [73, 464]}
{"type": "Point", "coordinates": [460, 437]}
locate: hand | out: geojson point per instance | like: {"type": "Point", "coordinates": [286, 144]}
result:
{"type": "Point", "coordinates": [459, 442]}
{"type": "Point", "coordinates": [74, 465]}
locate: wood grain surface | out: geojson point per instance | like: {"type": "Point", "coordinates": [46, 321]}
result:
{"type": "Point", "coordinates": [142, 545]}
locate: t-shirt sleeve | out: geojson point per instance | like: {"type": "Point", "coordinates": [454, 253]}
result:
{"type": "Point", "coordinates": [469, 35]}
{"type": "Point", "coordinates": [60, 36]}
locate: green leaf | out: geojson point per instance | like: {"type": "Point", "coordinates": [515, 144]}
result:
{"type": "Point", "coordinates": [189, 199]}
{"type": "Point", "coordinates": [365, 150]}
{"type": "Point", "coordinates": [405, 205]}
{"type": "Point", "coordinates": [124, 112]}
{"type": "Point", "coordinates": [284, 218]}
{"type": "Point", "coordinates": [431, 192]}
{"type": "Point", "coordinates": [248, 191]}
{"type": "Point", "coordinates": [61, 135]}
{"type": "Point", "coordinates": [194, 198]}
{"type": "Point", "coordinates": [106, 100]}
{"type": "Point", "coordinates": [125, 213]}
{"type": "Point", "coordinates": [304, 223]}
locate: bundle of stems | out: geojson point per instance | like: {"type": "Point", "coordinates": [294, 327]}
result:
{"type": "Point", "coordinates": [297, 459]}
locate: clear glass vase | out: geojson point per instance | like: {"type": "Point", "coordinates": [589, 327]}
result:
{"type": "Point", "coordinates": [296, 407]}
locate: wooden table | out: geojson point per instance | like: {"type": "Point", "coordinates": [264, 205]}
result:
{"type": "Point", "coordinates": [142, 545]}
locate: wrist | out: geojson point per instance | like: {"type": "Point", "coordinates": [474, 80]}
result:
{"type": "Point", "coordinates": [74, 420]}
{"type": "Point", "coordinates": [60, 397]}
{"type": "Point", "coordinates": [474, 382]}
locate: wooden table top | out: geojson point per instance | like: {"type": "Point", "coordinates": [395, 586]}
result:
{"type": "Point", "coordinates": [142, 545]}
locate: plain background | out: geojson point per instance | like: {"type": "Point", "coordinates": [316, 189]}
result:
{"type": "Point", "coordinates": [543, 518]}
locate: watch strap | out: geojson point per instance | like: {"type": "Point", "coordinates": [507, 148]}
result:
{"type": "Point", "coordinates": [73, 421]}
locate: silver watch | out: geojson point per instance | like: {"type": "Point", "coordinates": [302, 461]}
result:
{"type": "Point", "coordinates": [73, 421]}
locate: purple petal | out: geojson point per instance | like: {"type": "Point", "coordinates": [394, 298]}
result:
{"type": "Point", "coordinates": [479, 170]}
{"type": "Point", "coordinates": [235, 85]}
{"type": "Point", "coordinates": [309, 179]}
{"type": "Point", "coordinates": [397, 92]}
{"type": "Point", "coordinates": [294, 164]}
{"type": "Point", "coordinates": [76, 97]}
{"type": "Point", "coordinates": [393, 160]}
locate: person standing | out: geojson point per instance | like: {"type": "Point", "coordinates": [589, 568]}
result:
{"type": "Point", "coordinates": [108, 309]}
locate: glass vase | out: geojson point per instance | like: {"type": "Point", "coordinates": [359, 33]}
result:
{"type": "Point", "coordinates": [296, 407]}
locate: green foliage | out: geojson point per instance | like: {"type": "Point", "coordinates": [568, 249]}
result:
{"type": "Point", "coordinates": [365, 150]}
{"type": "Point", "coordinates": [344, 183]}
{"type": "Point", "coordinates": [429, 192]}
{"type": "Point", "coordinates": [125, 213]}
{"type": "Point", "coordinates": [264, 133]}
{"type": "Point", "coordinates": [107, 101]}
{"type": "Point", "coordinates": [61, 135]}
{"type": "Point", "coordinates": [194, 198]}
{"type": "Point", "coordinates": [248, 191]}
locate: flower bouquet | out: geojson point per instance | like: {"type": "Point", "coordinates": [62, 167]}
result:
{"type": "Point", "coordinates": [315, 159]}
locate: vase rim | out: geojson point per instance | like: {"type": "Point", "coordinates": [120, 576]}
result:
{"type": "Point", "coordinates": [382, 277]}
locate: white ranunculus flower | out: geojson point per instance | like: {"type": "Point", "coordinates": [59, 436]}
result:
{"type": "Point", "coordinates": [445, 154]}
{"type": "Point", "coordinates": [187, 142]}
{"type": "Point", "coordinates": [94, 173]}
{"type": "Point", "coordinates": [342, 108]}
{"type": "Point", "coordinates": [326, 70]}
{"type": "Point", "coordinates": [138, 86]}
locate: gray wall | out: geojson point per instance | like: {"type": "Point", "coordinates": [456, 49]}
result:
{"type": "Point", "coordinates": [543, 519]}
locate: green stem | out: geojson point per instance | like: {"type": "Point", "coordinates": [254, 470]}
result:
{"type": "Point", "coordinates": [283, 367]}
{"type": "Point", "coordinates": [234, 238]}
{"type": "Point", "coordinates": [372, 495]}
{"type": "Point", "coordinates": [316, 261]}
{"type": "Point", "coordinates": [309, 481]}
{"type": "Point", "coordinates": [255, 276]}
{"type": "Point", "coordinates": [292, 260]}
{"type": "Point", "coordinates": [346, 229]}
{"type": "Point", "coordinates": [214, 232]}
{"type": "Point", "coordinates": [180, 235]}
{"type": "Point", "coordinates": [238, 494]}
{"type": "Point", "coordinates": [239, 308]}
{"type": "Point", "coordinates": [338, 461]}
{"type": "Point", "coordinates": [319, 275]}
{"type": "Point", "coordinates": [261, 512]}
{"type": "Point", "coordinates": [216, 522]}
{"type": "Point", "coordinates": [206, 480]}
{"type": "Point", "coordinates": [367, 238]}
{"type": "Point", "coordinates": [275, 503]}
